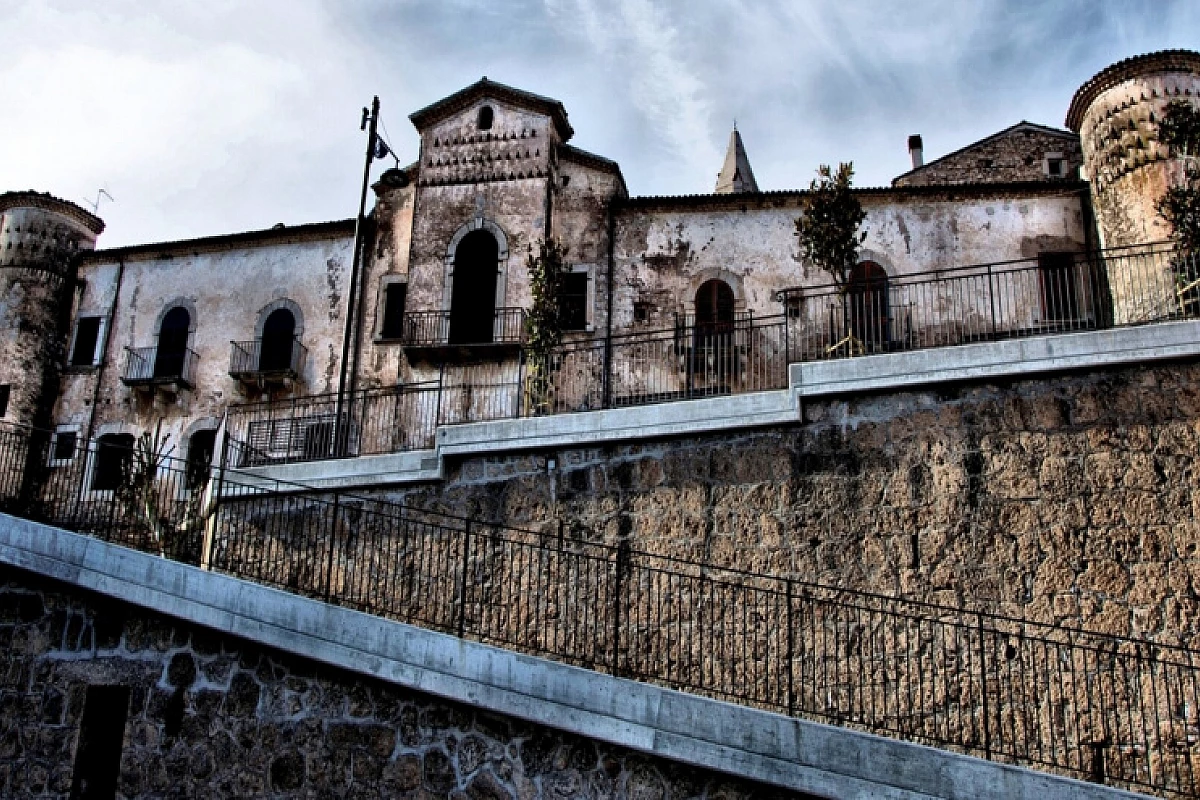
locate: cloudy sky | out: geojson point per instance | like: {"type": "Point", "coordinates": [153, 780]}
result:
{"type": "Point", "coordinates": [217, 116]}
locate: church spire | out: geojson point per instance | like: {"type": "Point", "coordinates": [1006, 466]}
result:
{"type": "Point", "coordinates": [736, 175]}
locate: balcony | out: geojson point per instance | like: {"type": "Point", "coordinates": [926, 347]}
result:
{"type": "Point", "coordinates": [266, 363]}
{"type": "Point", "coordinates": [165, 369]}
{"type": "Point", "coordinates": [442, 335]}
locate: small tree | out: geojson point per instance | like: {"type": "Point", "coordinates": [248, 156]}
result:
{"type": "Point", "coordinates": [828, 231]}
{"type": "Point", "coordinates": [543, 326]}
{"type": "Point", "coordinates": [1180, 206]}
{"type": "Point", "coordinates": [139, 492]}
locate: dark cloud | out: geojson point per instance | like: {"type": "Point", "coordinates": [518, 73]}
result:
{"type": "Point", "coordinates": [216, 116]}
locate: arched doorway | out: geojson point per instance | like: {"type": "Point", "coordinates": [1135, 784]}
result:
{"type": "Point", "coordinates": [870, 313]}
{"type": "Point", "coordinates": [714, 357]}
{"type": "Point", "coordinates": [278, 333]}
{"type": "Point", "coordinates": [171, 353]}
{"type": "Point", "coordinates": [473, 298]}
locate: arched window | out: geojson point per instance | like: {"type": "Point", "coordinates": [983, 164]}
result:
{"type": "Point", "coordinates": [114, 458]}
{"type": "Point", "coordinates": [473, 298]}
{"type": "Point", "coordinates": [714, 306]}
{"type": "Point", "coordinates": [714, 356]}
{"type": "Point", "coordinates": [485, 118]}
{"type": "Point", "coordinates": [199, 458]}
{"type": "Point", "coordinates": [278, 334]}
{"type": "Point", "coordinates": [171, 354]}
{"type": "Point", "coordinates": [870, 315]}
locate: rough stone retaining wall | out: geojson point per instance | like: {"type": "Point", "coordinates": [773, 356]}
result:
{"type": "Point", "coordinates": [1065, 499]}
{"type": "Point", "coordinates": [215, 716]}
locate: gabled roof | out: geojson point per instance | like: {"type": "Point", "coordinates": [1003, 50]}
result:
{"type": "Point", "coordinates": [1022, 125]}
{"type": "Point", "coordinates": [465, 98]}
{"type": "Point", "coordinates": [1162, 61]}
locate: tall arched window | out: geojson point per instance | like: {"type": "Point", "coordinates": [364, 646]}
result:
{"type": "Point", "coordinates": [199, 458]}
{"type": "Point", "coordinates": [714, 357]}
{"type": "Point", "coordinates": [278, 334]}
{"type": "Point", "coordinates": [171, 354]}
{"type": "Point", "coordinates": [870, 314]}
{"type": "Point", "coordinates": [473, 298]}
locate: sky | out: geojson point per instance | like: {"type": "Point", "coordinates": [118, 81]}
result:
{"type": "Point", "coordinates": [210, 117]}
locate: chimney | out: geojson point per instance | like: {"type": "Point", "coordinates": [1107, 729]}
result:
{"type": "Point", "coordinates": [916, 150]}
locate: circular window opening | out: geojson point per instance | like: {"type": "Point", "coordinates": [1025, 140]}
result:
{"type": "Point", "coordinates": [485, 118]}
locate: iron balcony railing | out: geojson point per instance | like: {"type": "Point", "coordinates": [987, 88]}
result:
{"type": "Point", "coordinates": [154, 366]}
{"type": "Point", "coordinates": [259, 359]}
{"type": "Point", "coordinates": [1101, 707]}
{"type": "Point", "coordinates": [441, 328]}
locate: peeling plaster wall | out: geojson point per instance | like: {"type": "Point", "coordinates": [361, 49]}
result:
{"type": "Point", "coordinates": [664, 254]}
{"type": "Point", "coordinates": [227, 288]}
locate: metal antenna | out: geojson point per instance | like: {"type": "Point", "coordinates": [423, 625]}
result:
{"type": "Point", "coordinates": [96, 205]}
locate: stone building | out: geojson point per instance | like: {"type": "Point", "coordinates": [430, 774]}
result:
{"type": "Point", "coordinates": [1002, 443]}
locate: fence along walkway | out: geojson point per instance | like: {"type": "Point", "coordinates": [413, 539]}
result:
{"type": "Point", "coordinates": [1057, 293]}
{"type": "Point", "coordinates": [1087, 705]}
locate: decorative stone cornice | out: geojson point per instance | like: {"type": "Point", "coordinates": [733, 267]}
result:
{"type": "Point", "coordinates": [1137, 66]}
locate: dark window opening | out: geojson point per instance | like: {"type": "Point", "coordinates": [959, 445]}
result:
{"type": "Point", "coordinates": [114, 460]}
{"type": "Point", "coordinates": [1060, 292]}
{"type": "Point", "coordinates": [714, 356]}
{"type": "Point", "coordinates": [473, 299]}
{"type": "Point", "coordinates": [64, 445]}
{"type": "Point", "coordinates": [201, 447]}
{"type": "Point", "coordinates": [794, 304]}
{"type": "Point", "coordinates": [485, 118]}
{"type": "Point", "coordinates": [867, 295]}
{"type": "Point", "coordinates": [395, 295]}
{"type": "Point", "coordinates": [572, 302]}
{"type": "Point", "coordinates": [5, 391]}
{"type": "Point", "coordinates": [172, 343]}
{"type": "Point", "coordinates": [714, 306]}
{"type": "Point", "coordinates": [642, 311]}
{"type": "Point", "coordinates": [1055, 167]}
{"type": "Point", "coordinates": [87, 336]}
{"type": "Point", "coordinates": [101, 737]}
{"type": "Point", "coordinates": [278, 333]}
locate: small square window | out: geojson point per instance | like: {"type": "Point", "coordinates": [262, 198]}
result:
{"type": "Point", "coordinates": [642, 311]}
{"type": "Point", "coordinates": [1054, 167]}
{"type": "Point", "coordinates": [64, 446]}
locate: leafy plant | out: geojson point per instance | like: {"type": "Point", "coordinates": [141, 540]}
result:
{"type": "Point", "coordinates": [543, 326]}
{"type": "Point", "coordinates": [1180, 205]}
{"type": "Point", "coordinates": [828, 229]}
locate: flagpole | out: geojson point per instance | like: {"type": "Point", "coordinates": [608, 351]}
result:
{"type": "Point", "coordinates": [341, 426]}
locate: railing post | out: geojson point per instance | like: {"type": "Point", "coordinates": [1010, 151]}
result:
{"type": "Point", "coordinates": [337, 505]}
{"type": "Point", "coordinates": [622, 564]}
{"type": "Point", "coordinates": [462, 580]}
{"type": "Point", "coordinates": [987, 741]}
{"type": "Point", "coordinates": [791, 652]}
{"type": "Point", "coordinates": [437, 410]}
{"type": "Point", "coordinates": [992, 299]}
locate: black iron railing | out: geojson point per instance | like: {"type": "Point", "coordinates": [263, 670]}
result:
{"type": "Point", "coordinates": [260, 358]}
{"type": "Point", "coordinates": [1094, 706]}
{"type": "Point", "coordinates": [151, 366]}
{"type": "Point", "coordinates": [438, 328]}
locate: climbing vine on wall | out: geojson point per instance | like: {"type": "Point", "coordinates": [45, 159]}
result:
{"type": "Point", "coordinates": [547, 266]}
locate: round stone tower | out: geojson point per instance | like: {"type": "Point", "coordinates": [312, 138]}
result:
{"type": "Point", "coordinates": [39, 238]}
{"type": "Point", "coordinates": [1116, 115]}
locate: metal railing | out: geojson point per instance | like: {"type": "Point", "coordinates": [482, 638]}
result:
{"type": "Point", "coordinates": [1100, 707]}
{"type": "Point", "coordinates": [437, 328]}
{"type": "Point", "coordinates": [1055, 293]}
{"type": "Point", "coordinates": [147, 366]}
{"type": "Point", "coordinates": [251, 359]}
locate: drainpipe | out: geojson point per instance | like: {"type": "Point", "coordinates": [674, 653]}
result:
{"type": "Point", "coordinates": [606, 400]}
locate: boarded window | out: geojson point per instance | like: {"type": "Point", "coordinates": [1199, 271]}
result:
{"type": "Point", "coordinates": [101, 736]}
{"type": "Point", "coordinates": [87, 336]}
{"type": "Point", "coordinates": [394, 297]}
{"type": "Point", "coordinates": [572, 302]}
{"type": "Point", "coordinates": [114, 457]}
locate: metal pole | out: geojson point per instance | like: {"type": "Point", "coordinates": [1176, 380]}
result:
{"type": "Point", "coordinates": [987, 741]}
{"type": "Point", "coordinates": [372, 117]}
{"type": "Point", "coordinates": [618, 584]}
{"type": "Point", "coordinates": [337, 504]}
{"type": "Point", "coordinates": [992, 300]}
{"type": "Point", "coordinates": [462, 581]}
{"type": "Point", "coordinates": [791, 644]}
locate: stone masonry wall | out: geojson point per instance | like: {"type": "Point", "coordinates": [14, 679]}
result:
{"type": "Point", "coordinates": [214, 716]}
{"type": "Point", "coordinates": [1067, 499]}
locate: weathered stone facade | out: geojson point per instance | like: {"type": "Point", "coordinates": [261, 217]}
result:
{"type": "Point", "coordinates": [1062, 500]}
{"type": "Point", "coordinates": [1023, 153]}
{"type": "Point", "coordinates": [210, 715]}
